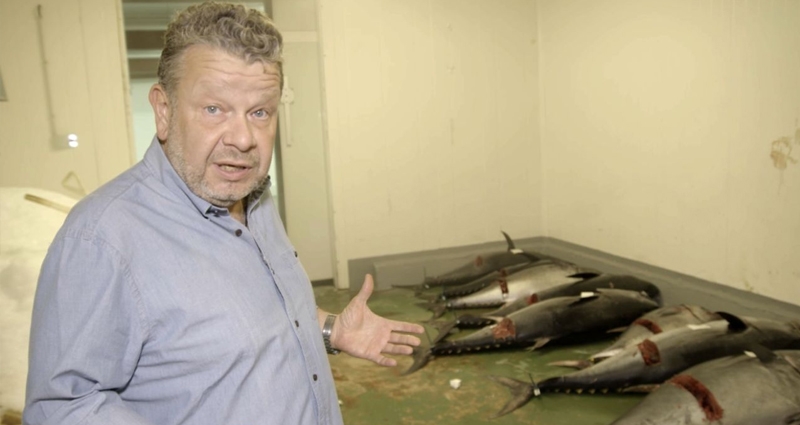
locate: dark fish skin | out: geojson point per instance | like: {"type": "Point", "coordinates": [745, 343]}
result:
{"type": "Point", "coordinates": [480, 283]}
{"type": "Point", "coordinates": [551, 319]}
{"type": "Point", "coordinates": [657, 321]}
{"type": "Point", "coordinates": [482, 266]}
{"type": "Point", "coordinates": [606, 281]}
{"type": "Point", "coordinates": [734, 390]}
{"type": "Point", "coordinates": [558, 317]}
{"type": "Point", "coordinates": [545, 274]}
{"type": "Point", "coordinates": [678, 349]}
{"type": "Point", "coordinates": [657, 359]}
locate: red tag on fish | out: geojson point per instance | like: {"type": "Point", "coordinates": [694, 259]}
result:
{"type": "Point", "coordinates": [649, 325]}
{"type": "Point", "coordinates": [503, 286]}
{"type": "Point", "coordinates": [533, 299]}
{"type": "Point", "coordinates": [702, 394]}
{"type": "Point", "coordinates": [650, 353]}
{"type": "Point", "coordinates": [478, 261]}
{"type": "Point", "coordinates": [504, 329]}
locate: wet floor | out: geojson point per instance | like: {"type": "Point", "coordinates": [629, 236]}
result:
{"type": "Point", "coordinates": [371, 394]}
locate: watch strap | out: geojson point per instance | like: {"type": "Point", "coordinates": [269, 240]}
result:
{"type": "Point", "coordinates": [327, 330]}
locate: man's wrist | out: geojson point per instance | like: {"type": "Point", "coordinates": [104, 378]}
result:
{"type": "Point", "coordinates": [327, 331]}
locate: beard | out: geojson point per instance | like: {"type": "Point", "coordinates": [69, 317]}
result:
{"type": "Point", "coordinates": [223, 194]}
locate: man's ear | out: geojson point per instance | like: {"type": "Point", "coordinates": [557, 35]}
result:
{"type": "Point", "coordinates": [160, 103]}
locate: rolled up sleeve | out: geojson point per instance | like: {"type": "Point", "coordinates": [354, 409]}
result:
{"type": "Point", "coordinates": [88, 329]}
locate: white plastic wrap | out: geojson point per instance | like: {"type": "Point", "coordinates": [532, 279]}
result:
{"type": "Point", "coordinates": [26, 230]}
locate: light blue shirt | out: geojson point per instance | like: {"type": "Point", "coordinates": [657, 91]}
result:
{"type": "Point", "coordinates": [155, 307]}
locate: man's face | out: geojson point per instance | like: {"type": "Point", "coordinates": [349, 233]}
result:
{"type": "Point", "coordinates": [220, 130]}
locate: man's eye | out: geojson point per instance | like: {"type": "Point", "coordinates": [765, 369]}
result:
{"type": "Point", "coordinates": [260, 113]}
{"type": "Point", "coordinates": [212, 109]}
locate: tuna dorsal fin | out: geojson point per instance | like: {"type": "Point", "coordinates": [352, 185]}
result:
{"type": "Point", "coordinates": [509, 241]}
{"type": "Point", "coordinates": [584, 275]}
{"type": "Point", "coordinates": [735, 324]}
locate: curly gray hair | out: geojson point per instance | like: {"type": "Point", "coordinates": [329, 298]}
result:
{"type": "Point", "coordinates": [246, 33]}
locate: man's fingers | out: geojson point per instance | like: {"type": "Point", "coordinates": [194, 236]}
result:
{"type": "Point", "coordinates": [407, 327]}
{"type": "Point", "coordinates": [385, 361]}
{"type": "Point", "coordinates": [397, 349]}
{"type": "Point", "coordinates": [396, 338]}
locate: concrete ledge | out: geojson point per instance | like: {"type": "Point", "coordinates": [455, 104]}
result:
{"type": "Point", "coordinates": [411, 268]}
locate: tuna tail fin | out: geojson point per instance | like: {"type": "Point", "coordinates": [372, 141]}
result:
{"type": "Point", "coordinates": [514, 250]}
{"type": "Point", "coordinates": [421, 357]}
{"type": "Point", "coordinates": [510, 242]}
{"type": "Point", "coordinates": [521, 393]}
{"type": "Point", "coordinates": [444, 330]}
{"type": "Point", "coordinates": [735, 323]}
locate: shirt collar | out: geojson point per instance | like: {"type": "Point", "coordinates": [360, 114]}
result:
{"type": "Point", "coordinates": [156, 160]}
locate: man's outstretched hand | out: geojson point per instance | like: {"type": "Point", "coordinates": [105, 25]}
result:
{"type": "Point", "coordinates": [363, 334]}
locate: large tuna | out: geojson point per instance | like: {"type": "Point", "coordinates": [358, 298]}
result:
{"type": "Point", "coordinates": [592, 283]}
{"type": "Point", "coordinates": [520, 285]}
{"type": "Point", "coordinates": [535, 325]}
{"type": "Point", "coordinates": [655, 322]}
{"type": "Point", "coordinates": [738, 390]}
{"type": "Point", "coordinates": [482, 282]}
{"type": "Point", "coordinates": [655, 360]}
{"type": "Point", "coordinates": [481, 266]}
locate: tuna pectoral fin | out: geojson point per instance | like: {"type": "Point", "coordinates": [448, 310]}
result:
{"type": "Point", "coordinates": [584, 276]}
{"type": "Point", "coordinates": [540, 342]}
{"type": "Point", "coordinates": [421, 357]}
{"type": "Point", "coordinates": [521, 393]}
{"type": "Point", "coordinates": [618, 330]}
{"type": "Point", "coordinates": [644, 389]}
{"type": "Point", "coordinates": [575, 364]}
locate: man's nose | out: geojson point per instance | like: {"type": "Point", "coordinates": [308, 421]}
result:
{"type": "Point", "coordinates": [240, 133]}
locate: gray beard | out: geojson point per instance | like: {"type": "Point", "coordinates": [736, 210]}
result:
{"type": "Point", "coordinates": [195, 179]}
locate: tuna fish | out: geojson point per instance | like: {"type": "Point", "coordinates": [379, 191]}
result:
{"type": "Point", "coordinates": [520, 285]}
{"type": "Point", "coordinates": [747, 389]}
{"type": "Point", "coordinates": [480, 283]}
{"type": "Point", "coordinates": [537, 324]}
{"type": "Point", "coordinates": [654, 360]}
{"type": "Point", "coordinates": [481, 266]}
{"type": "Point", "coordinates": [656, 322]}
{"type": "Point", "coordinates": [591, 283]}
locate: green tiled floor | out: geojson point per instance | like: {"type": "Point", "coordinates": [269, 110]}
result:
{"type": "Point", "coordinates": [371, 394]}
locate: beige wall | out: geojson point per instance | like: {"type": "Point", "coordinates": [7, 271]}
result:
{"type": "Point", "coordinates": [83, 86]}
{"type": "Point", "coordinates": [305, 194]}
{"type": "Point", "coordinates": [432, 123]}
{"type": "Point", "coordinates": [665, 129]}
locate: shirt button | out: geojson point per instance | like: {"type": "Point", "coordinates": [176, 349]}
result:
{"type": "Point", "coordinates": [296, 323]}
{"type": "Point", "coordinates": [238, 232]}
{"type": "Point", "coordinates": [295, 254]}
{"type": "Point", "coordinates": [314, 376]}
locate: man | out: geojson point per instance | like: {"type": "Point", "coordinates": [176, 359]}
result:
{"type": "Point", "coordinates": [172, 295]}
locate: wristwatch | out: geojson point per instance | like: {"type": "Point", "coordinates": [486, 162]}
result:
{"type": "Point", "coordinates": [327, 329]}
